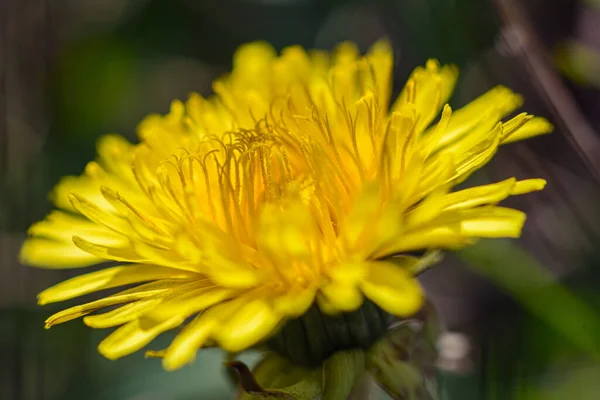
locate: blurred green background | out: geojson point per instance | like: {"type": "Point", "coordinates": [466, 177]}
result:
{"type": "Point", "coordinates": [72, 70]}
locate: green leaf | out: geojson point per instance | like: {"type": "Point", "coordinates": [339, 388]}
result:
{"type": "Point", "coordinates": [341, 372]}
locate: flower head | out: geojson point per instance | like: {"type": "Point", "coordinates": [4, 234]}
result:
{"type": "Point", "coordinates": [292, 185]}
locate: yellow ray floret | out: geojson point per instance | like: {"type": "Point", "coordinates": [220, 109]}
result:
{"type": "Point", "coordinates": [290, 186]}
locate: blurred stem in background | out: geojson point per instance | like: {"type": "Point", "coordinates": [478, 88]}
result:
{"type": "Point", "coordinates": [529, 283]}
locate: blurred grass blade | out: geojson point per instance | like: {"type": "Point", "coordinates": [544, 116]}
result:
{"type": "Point", "coordinates": [522, 277]}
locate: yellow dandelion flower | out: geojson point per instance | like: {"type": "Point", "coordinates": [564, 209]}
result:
{"type": "Point", "coordinates": [288, 189]}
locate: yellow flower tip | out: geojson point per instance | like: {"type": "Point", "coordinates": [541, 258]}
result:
{"type": "Point", "coordinates": [41, 252]}
{"type": "Point", "coordinates": [94, 322]}
{"type": "Point", "coordinates": [541, 184]}
{"type": "Point", "coordinates": [326, 307]}
{"type": "Point", "coordinates": [173, 365]}
{"type": "Point", "coordinates": [54, 319]}
{"type": "Point", "coordinates": [41, 300]}
{"type": "Point", "coordinates": [177, 108]}
{"type": "Point", "coordinates": [80, 242]}
{"type": "Point", "coordinates": [382, 46]}
{"type": "Point", "coordinates": [392, 288]}
{"type": "Point", "coordinates": [173, 362]}
{"type": "Point", "coordinates": [346, 50]}
{"type": "Point", "coordinates": [155, 353]}
{"type": "Point", "coordinates": [349, 273]}
{"type": "Point", "coordinates": [74, 200]}
{"type": "Point", "coordinates": [446, 111]}
{"type": "Point", "coordinates": [253, 54]}
{"type": "Point", "coordinates": [534, 126]}
{"type": "Point", "coordinates": [33, 229]}
{"type": "Point", "coordinates": [528, 185]}
{"type": "Point", "coordinates": [345, 297]}
{"type": "Point", "coordinates": [108, 353]}
{"type": "Point", "coordinates": [542, 125]}
{"type": "Point", "coordinates": [432, 65]}
{"type": "Point", "coordinates": [111, 143]}
{"type": "Point", "coordinates": [23, 253]}
{"type": "Point", "coordinates": [109, 193]}
{"type": "Point", "coordinates": [501, 90]}
{"type": "Point", "coordinates": [233, 345]}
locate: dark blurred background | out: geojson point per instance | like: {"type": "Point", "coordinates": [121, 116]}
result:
{"type": "Point", "coordinates": [71, 70]}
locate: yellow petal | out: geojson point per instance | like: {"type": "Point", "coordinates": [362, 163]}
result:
{"type": "Point", "coordinates": [429, 89]}
{"type": "Point", "coordinates": [348, 273]}
{"type": "Point", "coordinates": [454, 229]}
{"type": "Point", "coordinates": [82, 186]}
{"type": "Point", "coordinates": [295, 302]}
{"type": "Point", "coordinates": [251, 63]}
{"type": "Point", "coordinates": [126, 209]}
{"type": "Point", "coordinates": [510, 126]}
{"type": "Point", "coordinates": [163, 134]}
{"type": "Point", "coordinates": [325, 305]}
{"type": "Point", "coordinates": [472, 155]}
{"type": "Point", "coordinates": [479, 195]}
{"type": "Point", "coordinates": [115, 154]}
{"type": "Point", "coordinates": [121, 315]}
{"type": "Point", "coordinates": [189, 301]}
{"type": "Point", "coordinates": [235, 276]}
{"type": "Point", "coordinates": [184, 347]}
{"type": "Point", "coordinates": [61, 226]}
{"type": "Point", "coordinates": [45, 253]}
{"type": "Point", "coordinates": [380, 60]}
{"type": "Point", "coordinates": [365, 210]}
{"type": "Point", "coordinates": [437, 137]}
{"type": "Point", "coordinates": [121, 253]}
{"type": "Point", "coordinates": [534, 127]}
{"type": "Point", "coordinates": [393, 289]}
{"type": "Point", "coordinates": [427, 210]}
{"type": "Point", "coordinates": [204, 113]}
{"type": "Point", "coordinates": [433, 176]}
{"type": "Point", "coordinates": [133, 336]}
{"type": "Point", "coordinates": [446, 236]}
{"type": "Point", "coordinates": [133, 294]}
{"type": "Point", "coordinates": [488, 108]}
{"type": "Point", "coordinates": [343, 74]}
{"type": "Point", "coordinates": [96, 214]}
{"type": "Point", "coordinates": [493, 222]}
{"type": "Point", "coordinates": [101, 175]}
{"type": "Point", "coordinates": [286, 230]}
{"type": "Point", "coordinates": [398, 144]}
{"type": "Point", "coordinates": [227, 264]}
{"type": "Point", "coordinates": [345, 53]}
{"type": "Point", "coordinates": [528, 186]}
{"type": "Point", "coordinates": [108, 278]}
{"type": "Point", "coordinates": [342, 296]}
{"type": "Point", "coordinates": [165, 257]}
{"type": "Point", "coordinates": [248, 325]}
{"type": "Point", "coordinates": [491, 194]}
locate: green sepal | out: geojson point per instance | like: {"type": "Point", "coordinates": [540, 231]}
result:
{"type": "Point", "coordinates": [341, 372]}
{"type": "Point", "coordinates": [403, 363]}
{"type": "Point", "coordinates": [276, 378]}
